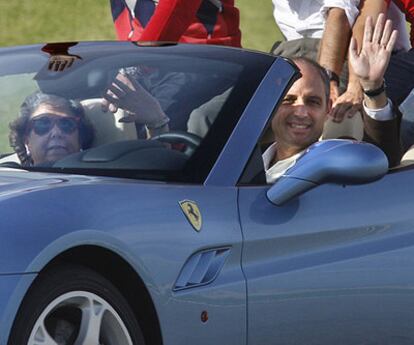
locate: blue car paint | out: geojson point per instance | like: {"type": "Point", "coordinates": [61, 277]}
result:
{"type": "Point", "coordinates": [308, 272]}
{"type": "Point", "coordinates": [135, 231]}
{"type": "Point", "coordinates": [139, 221]}
{"type": "Point", "coordinates": [333, 161]}
{"type": "Point", "coordinates": [325, 272]}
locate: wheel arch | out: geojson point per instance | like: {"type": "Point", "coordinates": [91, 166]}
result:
{"type": "Point", "coordinates": [121, 274]}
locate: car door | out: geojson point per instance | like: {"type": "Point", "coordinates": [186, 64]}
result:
{"type": "Point", "coordinates": [333, 265]}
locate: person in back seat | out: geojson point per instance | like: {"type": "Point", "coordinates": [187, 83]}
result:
{"type": "Point", "coordinates": [48, 128]}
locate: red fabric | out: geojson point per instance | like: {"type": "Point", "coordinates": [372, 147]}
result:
{"type": "Point", "coordinates": [123, 25]}
{"type": "Point", "coordinates": [170, 20]}
{"type": "Point", "coordinates": [176, 21]}
{"type": "Point", "coordinates": [407, 7]}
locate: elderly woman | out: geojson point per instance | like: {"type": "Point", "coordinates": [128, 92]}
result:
{"type": "Point", "coordinates": [49, 128]}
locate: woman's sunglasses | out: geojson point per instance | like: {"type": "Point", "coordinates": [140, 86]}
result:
{"type": "Point", "coordinates": [43, 124]}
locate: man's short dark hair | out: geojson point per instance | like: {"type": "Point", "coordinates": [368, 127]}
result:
{"type": "Point", "coordinates": [321, 71]}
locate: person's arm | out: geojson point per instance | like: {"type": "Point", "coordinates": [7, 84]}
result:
{"type": "Point", "coordinates": [141, 107]}
{"type": "Point", "coordinates": [350, 102]}
{"type": "Point", "coordinates": [369, 65]}
{"type": "Point", "coordinates": [170, 20]}
{"type": "Point", "coordinates": [385, 135]}
{"type": "Point", "coordinates": [333, 51]}
{"type": "Point", "coordinates": [334, 45]}
{"type": "Point", "coordinates": [371, 8]}
{"type": "Point", "coordinates": [370, 62]}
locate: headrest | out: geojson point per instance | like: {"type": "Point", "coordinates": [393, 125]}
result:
{"type": "Point", "coordinates": [408, 158]}
{"type": "Point", "coordinates": [107, 127]}
{"type": "Point", "coordinates": [349, 128]}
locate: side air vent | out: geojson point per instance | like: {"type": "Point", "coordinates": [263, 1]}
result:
{"type": "Point", "coordinates": [201, 268]}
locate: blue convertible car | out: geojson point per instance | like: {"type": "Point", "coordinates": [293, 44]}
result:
{"type": "Point", "coordinates": [175, 237]}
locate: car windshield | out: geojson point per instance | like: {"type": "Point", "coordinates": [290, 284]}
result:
{"type": "Point", "coordinates": [157, 112]}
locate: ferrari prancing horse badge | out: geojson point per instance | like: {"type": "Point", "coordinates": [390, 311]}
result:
{"type": "Point", "coordinates": [192, 213]}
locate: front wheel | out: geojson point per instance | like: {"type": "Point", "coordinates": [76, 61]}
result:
{"type": "Point", "coordinates": [73, 305]}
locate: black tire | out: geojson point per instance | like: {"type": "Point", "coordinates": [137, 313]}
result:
{"type": "Point", "coordinates": [59, 302]}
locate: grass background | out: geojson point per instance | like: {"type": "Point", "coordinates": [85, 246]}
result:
{"type": "Point", "coordinates": [39, 21]}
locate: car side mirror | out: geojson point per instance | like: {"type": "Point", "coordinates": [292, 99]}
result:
{"type": "Point", "coordinates": [337, 161]}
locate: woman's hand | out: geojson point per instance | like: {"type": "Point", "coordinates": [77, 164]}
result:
{"type": "Point", "coordinates": [141, 107]}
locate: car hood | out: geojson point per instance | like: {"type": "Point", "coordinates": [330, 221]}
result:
{"type": "Point", "coordinates": [17, 181]}
{"type": "Point", "coordinates": [41, 209]}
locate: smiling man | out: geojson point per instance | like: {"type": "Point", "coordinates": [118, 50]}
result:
{"type": "Point", "coordinates": [299, 120]}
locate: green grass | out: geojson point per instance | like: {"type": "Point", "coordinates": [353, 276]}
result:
{"type": "Point", "coordinates": [259, 30]}
{"type": "Point", "coordinates": [39, 21]}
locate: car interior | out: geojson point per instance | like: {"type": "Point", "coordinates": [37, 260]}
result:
{"type": "Point", "coordinates": [122, 145]}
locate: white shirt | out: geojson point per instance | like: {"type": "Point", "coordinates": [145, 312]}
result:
{"type": "Point", "coordinates": [306, 18]}
{"type": "Point", "coordinates": [399, 23]}
{"type": "Point", "coordinates": [278, 169]}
